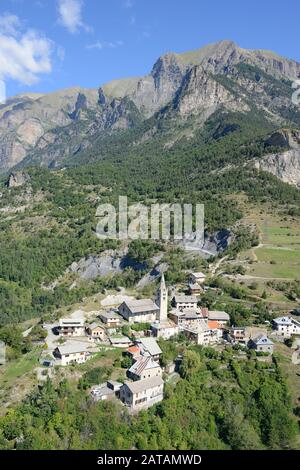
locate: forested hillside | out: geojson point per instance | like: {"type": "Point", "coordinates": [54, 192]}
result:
{"type": "Point", "coordinates": [218, 403]}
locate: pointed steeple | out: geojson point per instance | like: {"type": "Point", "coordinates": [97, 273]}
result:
{"type": "Point", "coordinates": [162, 282]}
{"type": "Point", "coordinates": [163, 300]}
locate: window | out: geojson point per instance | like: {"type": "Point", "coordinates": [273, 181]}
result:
{"type": "Point", "coordinates": [141, 400]}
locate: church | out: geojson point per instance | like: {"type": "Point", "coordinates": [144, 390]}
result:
{"type": "Point", "coordinates": [163, 327]}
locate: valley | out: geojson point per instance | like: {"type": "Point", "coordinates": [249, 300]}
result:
{"type": "Point", "coordinates": [211, 334]}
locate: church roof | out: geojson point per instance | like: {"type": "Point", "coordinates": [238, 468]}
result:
{"type": "Point", "coordinates": [141, 305]}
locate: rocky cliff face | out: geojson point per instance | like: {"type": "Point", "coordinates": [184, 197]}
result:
{"type": "Point", "coordinates": [285, 165]}
{"type": "Point", "coordinates": [47, 128]}
{"type": "Point", "coordinates": [25, 121]}
{"type": "Point", "coordinates": [200, 92]}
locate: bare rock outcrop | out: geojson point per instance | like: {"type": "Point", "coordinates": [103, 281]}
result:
{"type": "Point", "coordinates": [285, 165]}
{"type": "Point", "coordinates": [17, 179]}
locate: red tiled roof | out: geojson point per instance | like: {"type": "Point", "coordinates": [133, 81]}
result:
{"type": "Point", "coordinates": [213, 324]}
{"type": "Point", "coordinates": [133, 349]}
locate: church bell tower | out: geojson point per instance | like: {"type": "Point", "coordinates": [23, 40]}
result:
{"type": "Point", "coordinates": [163, 300]}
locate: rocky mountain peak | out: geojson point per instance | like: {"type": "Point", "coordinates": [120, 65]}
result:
{"type": "Point", "coordinates": [194, 83]}
{"type": "Point", "coordinates": [201, 94]}
{"type": "Point", "coordinates": [170, 66]}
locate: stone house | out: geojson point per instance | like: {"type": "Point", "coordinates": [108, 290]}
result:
{"type": "Point", "coordinates": [149, 347]}
{"type": "Point", "coordinates": [142, 394]}
{"type": "Point", "coordinates": [198, 277]}
{"type": "Point", "coordinates": [222, 317]}
{"type": "Point", "coordinates": [144, 368]}
{"type": "Point", "coordinates": [261, 343]}
{"type": "Point", "coordinates": [110, 319]}
{"type": "Point", "coordinates": [164, 330]}
{"type": "Point", "coordinates": [72, 353]}
{"type": "Point", "coordinates": [71, 327]}
{"type": "Point", "coordinates": [286, 326]}
{"type": "Point", "coordinates": [182, 301]}
{"type": "Point", "coordinates": [96, 331]}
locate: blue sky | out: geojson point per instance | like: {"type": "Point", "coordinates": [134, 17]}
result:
{"type": "Point", "coordinates": [50, 44]}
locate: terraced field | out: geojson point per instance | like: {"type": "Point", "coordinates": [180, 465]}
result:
{"type": "Point", "coordinates": [278, 255]}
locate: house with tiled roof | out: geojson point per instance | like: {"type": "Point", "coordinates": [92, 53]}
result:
{"type": "Point", "coordinates": [164, 330]}
{"type": "Point", "coordinates": [120, 341]}
{"type": "Point", "coordinates": [182, 301]}
{"type": "Point", "coordinates": [222, 317]}
{"type": "Point", "coordinates": [149, 347]}
{"type": "Point", "coordinates": [198, 277]}
{"type": "Point", "coordinates": [286, 326]}
{"type": "Point", "coordinates": [261, 343]}
{"type": "Point", "coordinates": [96, 331]}
{"type": "Point", "coordinates": [203, 333]}
{"type": "Point", "coordinates": [188, 316]}
{"type": "Point", "coordinates": [111, 319]}
{"type": "Point", "coordinates": [195, 288]}
{"type": "Point", "coordinates": [142, 394]}
{"type": "Point", "coordinates": [144, 367]}
{"type": "Point", "coordinates": [72, 352]}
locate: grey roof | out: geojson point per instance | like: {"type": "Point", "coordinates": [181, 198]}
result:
{"type": "Point", "coordinates": [120, 339]}
{"type": "Point", "coordinates": [114, 383]}
{"type": "Point", "coordinates": [194, 285]}
{"type": "Point", "coordinates": [218, 315]}
{"type": "Point", "coordinates": [190, 314]}
{"type": "Point", "coordinates": [262, 340]}
{"type": "Point", "coordinates": [150, 345]}
{"type": "Point", "coordinates": [110, 315]}
{"type": "Point", "coordinates": [163, 325]}
{"type": "Point", "coordinates": [102, 390]}
{"type": "Point", "coordinates": [199, 275]}
{"type": "Point", "coordinates": [141, 305]}
{"type": "Point", "coordinates": [141, 385]}
{"type": "Point", "coordinates": [94, 325]}
{"type": "Point", "coordinates": [182, 298]}
{"type": "Point", "coordinates": [199, 328]}
{"type": "Point", "coordinates": [143, 363]}
{"type": "Point", "coordinates": [72, 347]}
{"type": "Point", "coordinates": [71, 322]}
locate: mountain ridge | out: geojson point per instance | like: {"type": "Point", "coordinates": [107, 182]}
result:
{"type": "Point", "coordinates": [48, 128]}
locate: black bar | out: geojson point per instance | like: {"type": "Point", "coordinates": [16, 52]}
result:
{"type": "Point", "coordinates": [139, 459]}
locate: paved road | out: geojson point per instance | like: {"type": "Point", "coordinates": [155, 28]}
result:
{"type": "Point", "coordinates": [51, 339]}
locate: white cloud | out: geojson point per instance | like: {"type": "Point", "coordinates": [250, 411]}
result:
{"type": "Point", "coordinates": [9, 24]}
{"type": "Point", "coordinates": [70, 15]}
{"type": "Point", "coordinates": [102, 45]}
{"type": "Point", "coordinates": [95, 45]}
{"type": "Point", "coordinates": [24, 55]}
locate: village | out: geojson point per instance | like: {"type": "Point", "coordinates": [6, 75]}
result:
{"type": "Point", "coordinates": [74, 340]}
